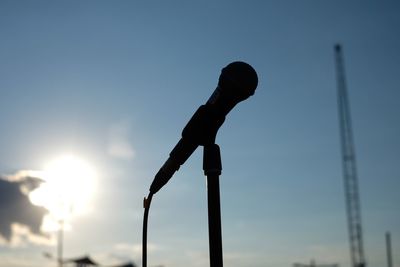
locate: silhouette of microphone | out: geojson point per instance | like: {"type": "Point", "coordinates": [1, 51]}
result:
{"type": "Point", "coordinates": [237, 82]}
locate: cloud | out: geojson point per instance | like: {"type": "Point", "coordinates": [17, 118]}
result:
{"type": "Point", "coordinates": [130, 252]}
{"type": "Point", "coordinates": [20, 220]}
{"type": "Point", "coordinates": [331, 254]}
{"type": "Point", "coordinates": [118, 141]}
{"type": "Point", "coordinates": [135, 249]}
{"type": "Point", "coordinates": [22, 236]}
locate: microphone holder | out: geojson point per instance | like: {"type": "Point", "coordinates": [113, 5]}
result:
{"type": "Point", "coordinates": [212, 169]}
{"type": "Point", "coordinates": [202, 129]}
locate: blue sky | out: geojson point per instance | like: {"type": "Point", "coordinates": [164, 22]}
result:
{"type": "Point", "coordinates": [83, 76]}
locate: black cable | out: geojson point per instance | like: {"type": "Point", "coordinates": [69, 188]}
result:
{"type": "Point", "coordinates": [146, 205]}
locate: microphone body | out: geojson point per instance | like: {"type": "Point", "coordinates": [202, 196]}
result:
{"type": "Point", "coordinates": [237, 82]}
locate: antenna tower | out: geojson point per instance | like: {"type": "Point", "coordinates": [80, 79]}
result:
{"type": "Point", "coordinates": [349, 166]}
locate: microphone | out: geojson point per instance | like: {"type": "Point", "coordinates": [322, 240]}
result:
{"type": "Point", "coordinates": [237, 82]}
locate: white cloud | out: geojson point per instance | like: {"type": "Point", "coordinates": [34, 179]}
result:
{"type": "Point", "coordinates": [23, 175]}
{"type": "Point", "coordinates": [20, 220]}
{"type": "Point", "coordinates": [330, 254]}
{"type": "Point", "coordinates": [119, 145]}
{"type": "Point", "coordinates": [131, 252]}
{"type": "Point", "coordinates": [135, 249]}
{"type": "Point", "coordinates": [22, 236]}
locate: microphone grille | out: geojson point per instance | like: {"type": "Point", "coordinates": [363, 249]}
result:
{"type": "Point", "coordinates": [241, 76]}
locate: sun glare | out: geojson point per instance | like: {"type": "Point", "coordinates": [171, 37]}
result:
{"type": "Point", "coordinates": [68, 188]}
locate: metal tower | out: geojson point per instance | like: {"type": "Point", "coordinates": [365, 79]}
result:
{"type": "Point", "coordinates": [349, 166]}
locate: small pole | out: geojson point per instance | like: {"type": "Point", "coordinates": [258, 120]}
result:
{"type": "Point", "coordinates": [60, 243]}
{"type": "Point", "coordinates": [389, 250]}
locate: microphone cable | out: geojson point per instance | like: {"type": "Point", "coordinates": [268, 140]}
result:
{"type": "Point", "coordinates": [146, 205]}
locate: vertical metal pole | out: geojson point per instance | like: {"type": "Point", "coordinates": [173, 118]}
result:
{"type": "Point", "coordinates": [60, 243]}
{"type": "Point", "coordinates": [212, 168]}
{"type": "Point", "coordinates": [389, 250]}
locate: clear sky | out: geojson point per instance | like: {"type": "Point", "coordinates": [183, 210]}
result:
{"type": "Point", "coordinates": [114, 83]}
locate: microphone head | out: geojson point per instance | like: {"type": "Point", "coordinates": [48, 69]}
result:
{"type": "Point", "coordinates": [239, 80]}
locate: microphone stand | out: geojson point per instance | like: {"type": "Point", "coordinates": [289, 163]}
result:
{"type": "Point", "coordinates": [212, 169]}
{"type": "Point", "coordinates": [237, 82]}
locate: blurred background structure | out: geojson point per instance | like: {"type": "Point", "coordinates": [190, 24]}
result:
{"type": "Point", "coordinates": [350, 179]}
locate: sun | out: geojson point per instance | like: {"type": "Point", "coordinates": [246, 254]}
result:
{"type": "Point", "coordinates": [69, 186]}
